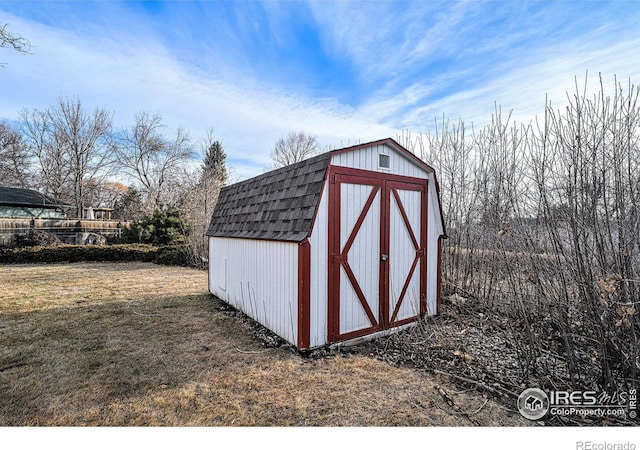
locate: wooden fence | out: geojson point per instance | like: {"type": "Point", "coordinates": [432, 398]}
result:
{"type": "Point", "coordinates": [71, 231]}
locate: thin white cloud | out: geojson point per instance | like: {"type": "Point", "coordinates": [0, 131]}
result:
{"type": "Point", "coordinates": [409, 66]}
{"type": "Point", "coordinates": [388, 38]}
{"type": "Point", "coordinates": [525, 87]}
{"type": "Point", "coordinates": [248, 114]}
{"type": "Point", "coordinates": [516, 74]}
{"type": "Point", "coordinates": [441, 35]}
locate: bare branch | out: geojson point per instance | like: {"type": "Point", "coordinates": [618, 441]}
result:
{"type": "Point", "coordinates": [13, 40]}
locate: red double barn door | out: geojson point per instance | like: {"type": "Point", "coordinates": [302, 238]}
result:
{"type": "Point", "coordinates": [377, 251]}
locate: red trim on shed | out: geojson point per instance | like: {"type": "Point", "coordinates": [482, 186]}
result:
{"type": "Point", "coordinates": [333, 288]}
{"type": "Point", "coordinates": [341, 172]}
{"type": "Point", "coordinates": [425, 239]}
{"type": "Point", "coordinates": [304, 295]}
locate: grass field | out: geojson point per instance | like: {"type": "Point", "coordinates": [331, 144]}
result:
{"type": "Point", "coordinates": [136, 344]}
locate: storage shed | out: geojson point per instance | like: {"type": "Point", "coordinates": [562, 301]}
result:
{"type": "Point", "coordinates": [340, 246]}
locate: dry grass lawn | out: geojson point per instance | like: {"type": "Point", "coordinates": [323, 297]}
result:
{"type": "Point", "coordinates": [136, 344]}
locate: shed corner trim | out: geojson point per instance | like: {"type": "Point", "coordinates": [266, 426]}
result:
{"type": "Point", "coordinates": [304, 295]}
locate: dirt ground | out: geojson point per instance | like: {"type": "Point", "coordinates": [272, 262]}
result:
{"type": "Point", "coordinates": [137, 344]}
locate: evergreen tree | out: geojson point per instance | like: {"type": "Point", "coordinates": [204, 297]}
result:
{"type": "Point", "coordinates": [215, 162]}
{"type": "Point", "coordinates": [163, 227]}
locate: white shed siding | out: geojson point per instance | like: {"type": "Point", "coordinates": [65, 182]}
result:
{"type": "Point", "coordinates": [319, 298]}
{"type": "Point", "coordinates": [367, 159]}
{"type": "Point", "coordinates": [260, 278]}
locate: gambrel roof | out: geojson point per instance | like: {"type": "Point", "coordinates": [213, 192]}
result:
{"type": "Point", "coordinates": [281, 204]}
{"type": "Point", "coordinates": [278, 205]}
{"type": "Point", "coordinates": [27, 198]}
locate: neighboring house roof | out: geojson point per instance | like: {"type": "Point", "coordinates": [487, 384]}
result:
{"type": "Point", "coordinates": [27, 197]}
{"type": "Point", "coordinates": [277, 205]}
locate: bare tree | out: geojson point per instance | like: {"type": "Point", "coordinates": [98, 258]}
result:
{"type": "Point", "coordinates": [71, 149]}
{"type": "Point", "coordinates": [294, 148]}
{"type": "Point", "coordinates": [14, 160]}
{"type": "Point", "coordinates": [155, 162]}
{"type": "Point", "coordinates": [85, 141]}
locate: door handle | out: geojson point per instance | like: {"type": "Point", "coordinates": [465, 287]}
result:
{"type": "Point", "coordinates": [384, 257]}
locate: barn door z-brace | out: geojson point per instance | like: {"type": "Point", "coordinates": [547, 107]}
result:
{"type": "Point", "coordinates": [377, 251]}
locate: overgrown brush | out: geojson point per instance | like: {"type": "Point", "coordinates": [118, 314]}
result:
{"type": "Point", "coordinates": [544, 226]}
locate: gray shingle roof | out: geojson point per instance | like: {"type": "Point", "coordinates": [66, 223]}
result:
{"type": "Point", "coordinates": [27, 197]}
{"type": "Point", "coordinates": [278, 205]}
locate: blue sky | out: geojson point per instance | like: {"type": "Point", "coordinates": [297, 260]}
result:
{"type": "Point", "coordinates": [347, 72]}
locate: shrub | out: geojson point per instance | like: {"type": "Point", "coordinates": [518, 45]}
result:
{"type": "Point", "coordinates": [77, 253]}
{"type": "Point", "coordinates": [169, 255]}
{"type": "Point", "coordinates": [174, 255]}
